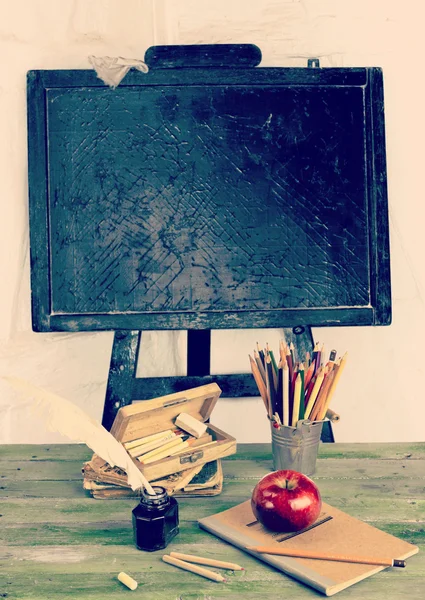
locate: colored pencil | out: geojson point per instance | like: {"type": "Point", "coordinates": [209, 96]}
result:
{"type": "Point", "coordinates": [302, 392]}
{"type": "Point", "coordinates": [290, 363]}
{"type": "Point", "coordinates": [309, 374]}
{"type": "Point", "coordinates": [285, 386]}
{"type": "Point", "coordinates": [260, 365]}
{"type": "Point", "coordinates": [385, 562]}
{"type": "Point", "coordinates": [321, 398]}
{"type": "Point", "coordinates": [271, 390]}
{"type": "Point", "coordinates": [296, 401]}
{"type": "Point", "coordinates": [296, 391]}
{"type": "Point", "coordinates": [314, 393]}
{"type": "Point", "coordinates": [260, 382]}
{"type": "Point", "coordinates": [337, 374]}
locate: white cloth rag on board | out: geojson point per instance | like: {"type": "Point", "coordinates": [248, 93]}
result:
{"type": "Point", "coordinates": [113, 70]}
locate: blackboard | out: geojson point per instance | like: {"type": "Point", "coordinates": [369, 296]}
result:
{"type": "Point", "coordinates": [205, 198]}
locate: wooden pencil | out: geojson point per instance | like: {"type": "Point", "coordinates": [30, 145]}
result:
{"type": "Point", "coordinates": [209, 562]}
{"type": "Point", "coordinates": [279, 392]}
{"type": "Point", "coordinates": [315, 391]}
{"type": "Point", "coordinates": [316, 414]}
{"type": "Point", "coordinates": [182, 564]}
{"type": "Point", "coordinates": [337, 374]}
{"type": "Point", "coordinates": [309, 374]}
{"type": "Point", "coordinates": [296, 401]}
{"type": "Point", "coordinates": [260, 383]}
{"type": "Point", "coordinates": [260, 365]}
{"type": "Point", "coordinates": [271, 391]}
{"type": "Point", "coordinates": [385, 562]}
{"type": "Point", "coordinates": [317, 363]}
{"type": "Point", "coordinates": [177, 449]}
{"type": "Point", "coordinates": [332, 415]}
{"type": "Point", "coordinates": [260, 353]}
{"type": "Point", "coordinates": [275, 369]}
{"type": "Point", "coordinates": [282, 351]}
{"type": "Point", "coordinates": [302, 392]}
{"type": "Point", "coordinates": [290, 363]}
{"type": "Point", "coordinates": [285, 386]}
{"type": "Point", "coordinates": [146, 439]}
{"type": "Point", "coordinates": [292, 351]}
{"type": "Point", "coordinates": [170, 444]}
{"type": "Point", "coordinates": [139, 450]}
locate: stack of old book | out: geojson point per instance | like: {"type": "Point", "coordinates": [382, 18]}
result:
{"type": "Point", "coordinates": [170, 442]}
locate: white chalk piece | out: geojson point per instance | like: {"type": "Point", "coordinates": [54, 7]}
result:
{"type": "Point", "coordinates": [191, 425]}
{"type": "Point", "coordinates": [127, 580]}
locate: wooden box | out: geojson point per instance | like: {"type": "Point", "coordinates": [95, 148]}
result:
{"type": "Point", "coordinates": [159, 414]}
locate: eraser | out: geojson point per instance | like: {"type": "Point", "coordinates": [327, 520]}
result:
{"type": "Point", "coordinates": [127, 580]}
{"type": "Point", "coordinates": [191, 425]}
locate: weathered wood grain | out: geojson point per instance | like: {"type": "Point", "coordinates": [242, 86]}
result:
{"type": "Point", "coordinates": [355, 468]}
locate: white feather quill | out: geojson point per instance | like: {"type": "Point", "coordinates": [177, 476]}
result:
{"type": "Point", "coordinates": [66, 418]}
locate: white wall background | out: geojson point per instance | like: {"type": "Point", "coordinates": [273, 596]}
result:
{"type": "Point", "coordinates": [380, 395]}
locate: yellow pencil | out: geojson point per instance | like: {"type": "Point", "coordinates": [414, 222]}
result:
{"type": "Point", "coordinates": [144, 448]}
{"type": "Point", "coordinates": [315, 391]}
{"type": "Point", "coordinates": [165, 453]}
{"type": "Point", "coordinates": [285, 386]}
{"type": "Point", "coordinates": [147, 439]}
{"type": "Point", "coordinates": [169, 444]}
{"type": "Point", "coordinates": [296, 402]}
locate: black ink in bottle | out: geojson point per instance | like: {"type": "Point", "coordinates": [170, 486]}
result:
{"type": "Point", "coordinates": [155, 520]}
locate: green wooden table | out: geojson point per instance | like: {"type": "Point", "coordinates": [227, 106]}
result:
{"type": "Point", "coordinates": [57, 542]}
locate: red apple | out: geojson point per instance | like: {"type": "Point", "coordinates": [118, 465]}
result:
{"type": "Point", "coordinates": [286, 501]}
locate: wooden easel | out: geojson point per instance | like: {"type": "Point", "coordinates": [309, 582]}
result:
{"type": "Point", "coordinates": [352, 257]}
{"type": "Point", "coordinates": [124, 387]}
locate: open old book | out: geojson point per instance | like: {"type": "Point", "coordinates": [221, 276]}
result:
{"type": "Point", "coordinates": [334, 532]}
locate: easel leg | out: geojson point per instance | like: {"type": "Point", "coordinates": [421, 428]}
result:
{"type": "Point", "coordinates": [122, 371]}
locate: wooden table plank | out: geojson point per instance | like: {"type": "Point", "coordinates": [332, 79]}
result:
{"type": "Point", "coordinates": [350, 468]}
{"type": "Point", "coordinates": [159, 581]}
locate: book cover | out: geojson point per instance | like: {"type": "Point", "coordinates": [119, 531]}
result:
{"type": "Point", "coordinates": [334, 532]}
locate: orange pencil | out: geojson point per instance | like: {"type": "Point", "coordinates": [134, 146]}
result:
{"type": "Point", "coordinates": [260, 383]}
{"type": "Point", "coordinates": [321, 398]}
{"type": "Point", "coordinates": [337, 374]}
{"type": "Point", "coordinates": [365, 560]}
{"type": "Point", "coordinates": [309, 374]}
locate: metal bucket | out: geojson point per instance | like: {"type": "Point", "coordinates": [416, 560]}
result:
{"type": "Point", "coordinates": [296, 448]}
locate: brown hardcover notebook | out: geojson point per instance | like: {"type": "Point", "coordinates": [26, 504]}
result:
{"type": "Point", "coordinates": [334, 532]}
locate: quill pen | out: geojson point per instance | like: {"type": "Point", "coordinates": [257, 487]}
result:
{"type": "Point", "coordinates": [66, 418]}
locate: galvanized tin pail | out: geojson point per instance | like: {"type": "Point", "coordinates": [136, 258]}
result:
{"type": "Point", "coordinates": [296, 448]}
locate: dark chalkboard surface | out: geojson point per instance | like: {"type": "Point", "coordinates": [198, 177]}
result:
{"type": "Point", "coordinates": [204, 198]}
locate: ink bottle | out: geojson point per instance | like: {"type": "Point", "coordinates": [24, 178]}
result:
{"type": "Point", "coordinates": [155, 520]}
